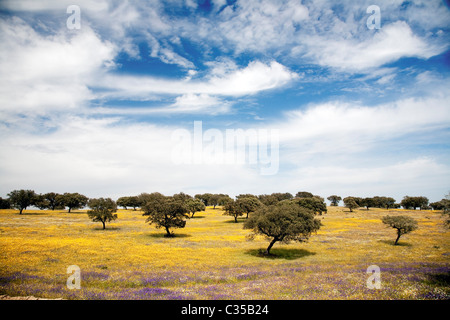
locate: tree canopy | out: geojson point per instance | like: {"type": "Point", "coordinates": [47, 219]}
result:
{"type": "Point", "coordinates": [403, 224]}
{"type": "Point", "coordinates": [165, 212]}
{"type": "Point", "coordinates": [414, 202]}
{"type": "Point", "coordinates": [304, 194]}
{"type": "Point", "coordinates": [248, 204]}
{"type": "Point", "coordinates": [315, 203]}
{"type": "Point", "coordinates": [73, 200]}
{"type": "Point", "coordinates": [350, 203]}
{"type": "Point", "coordinates": [232, 208]}
{"type": "Point", "coordinates": [284, 222]}
{"type": "Point", "coordinates": [195, 205]}
{"type": "Point", "coordinates": [334, 199]}
{"type": "Point", "coordinates": [21, 199]}
{"type": "Point", "coordinates": [132, 201]}
{"type": "Point", "coordinates": [102, 210]}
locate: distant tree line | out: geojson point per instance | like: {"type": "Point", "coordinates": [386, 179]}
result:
{"type": "Point", "coordinates": [370, 202]}
{"type": "Point", "coordinates": [22, 199]}
{"type": "Point", "coordinates": [278, 216]}
{"type": "Point", "coordinates": [407, 202]}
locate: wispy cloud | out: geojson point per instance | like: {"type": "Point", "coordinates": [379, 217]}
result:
{"type": "Point", "coordinates": [254, 78]}
{"type": "Point", "coordinates": [194, 104]}
{"type": "Point", "coordinates": [391, 43]}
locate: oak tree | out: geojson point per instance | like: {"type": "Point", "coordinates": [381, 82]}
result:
{"type": "Point", "coordinates": [73, 200]}
{"type": "Point", "coordinates": [248, 204]}
{"type": "Point", "coordinates": [232, 208]}
{"type": "Point", "coordinates": [195, 205]}
{"type": "Point", "coordinates": [165, 212]}
{"type": "Point", "coordinates": [21, 199]}
{"type": "Point", "coordinates": [102, 210]}
{"type": "Point", "coordinates": [350, 203]}
{"type": "Point", "coordinates": [284, 222]}
{"type": "Point", "coordinates": [334, 199]}
{"type": "Point", "coordinates": [403, 224]}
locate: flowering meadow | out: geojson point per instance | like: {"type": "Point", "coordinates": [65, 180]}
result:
{"type": "Point", "coordinates": [212, 258]}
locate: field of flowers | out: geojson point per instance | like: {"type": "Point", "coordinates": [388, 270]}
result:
{"type": "Point", "coordinates": [212, 258]}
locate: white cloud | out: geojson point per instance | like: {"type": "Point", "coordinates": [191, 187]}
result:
{"type": "Point", "coordinates": [49, 5]}
{"type": "Point", "coordinates": [324, 147]}
{"type": "Point", "coordinates": [185, 104]}
{"type": "Point", "coordinates": [261, 25]}
{"type": "Point", "coordinates": [392, 42]}
{"type": "Point", "coordinates": [103, 157]}
{"type": "Point", "coordinates": [192, 103]}
{"type": "Point", "coordinates": [336, 127]}
{"type": "Point", "coordinates": [330, 34]}
{"type": "Point", "coordinates": [167, 55]}
{"type": "Point", "coordinates": [417, 176]}
{"type": "Point", "coordinates": [254, 78]}
{"type": "Point", "coordinates": [41, 73]}
{"type": "Point", "coordinates": [218, 4]}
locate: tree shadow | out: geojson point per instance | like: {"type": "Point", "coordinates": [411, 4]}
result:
{"type": "Point", "coordinates": [197, 217]}
{"type": "Point", "coordinates": [399, 244]}
{"type": "Point", "coordinates": [166, 236]}
{"type": "Point", "coordinates": [31, 213]}
{"type": "Point", "coordinates": [107, 228]}
{"type": "Point", "coordinates": [280, 253]}
{"type": "Point", "coordinates": [438, 279]}
{"type": "Point", "coordinates": [239, 220]}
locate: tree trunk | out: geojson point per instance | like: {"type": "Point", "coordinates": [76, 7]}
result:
{"type": "Point", "coordinates": [235, 218]}
{"type": "Point", "coordinates": [398, 237]}
{"type": "Point", "coordinates": [246, 216]}
{"type": "Point", "coordinates": [69, 209]}
{"type": "Point", "coordinates": [271, 245]}
{"type": "Point", "coordinates": [104, 227]}
{"type": "Point", "coordinates": [168, 232]}
{"type": "Point", "coordinates": [21, 209]}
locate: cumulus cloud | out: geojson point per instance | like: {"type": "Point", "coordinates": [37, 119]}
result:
{"type": "Point", "coordinates": [41, 73]}
{"type": "Point", "coordinates": [49, 72]}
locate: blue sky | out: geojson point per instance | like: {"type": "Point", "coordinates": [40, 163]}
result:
{"type": "Point", "coordinates": [357, 111]}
